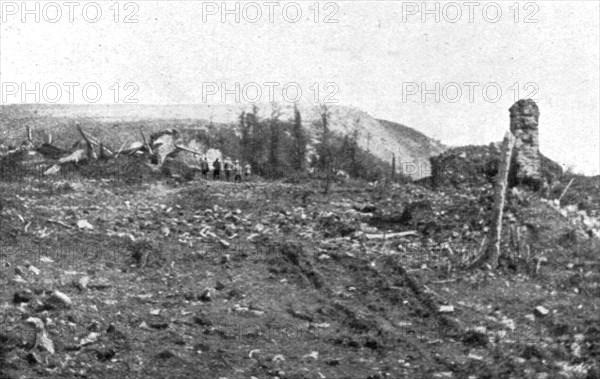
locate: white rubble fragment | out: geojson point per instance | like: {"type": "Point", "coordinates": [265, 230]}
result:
{"type": "Point", "coordinates": [252, 352]}
{"type": "Point", "coordinates": [89, 339]}
{"type": "Point", "coordinates": [84, 224]}
{"type": "Point", "coordinates": [60, 299]}
{"type": "Point", "coordinates": [278, 358]}
{"type": "Point", "coordinates": [42, 339]}
{"type": "Point", "coordinates": [541, 311]}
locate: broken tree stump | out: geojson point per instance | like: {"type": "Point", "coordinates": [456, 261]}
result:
{"type": "Point", "coordinates": [91, 142]}
{"type": "Point", "coordinates": [91, 154]}
{"type": "Point", "coordinates": [493, 250]}
{"type": "Point", "coordinates": [145, 141]}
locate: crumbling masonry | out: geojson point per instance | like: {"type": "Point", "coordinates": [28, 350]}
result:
{"type": "Point", "coordinates": [526, 167]}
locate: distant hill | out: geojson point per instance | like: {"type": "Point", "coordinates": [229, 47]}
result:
{"type": "Point", "coordinates": [118, 123]}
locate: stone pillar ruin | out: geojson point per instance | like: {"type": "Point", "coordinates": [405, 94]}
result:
{"type": "Point", "coordinates": [526, 162]}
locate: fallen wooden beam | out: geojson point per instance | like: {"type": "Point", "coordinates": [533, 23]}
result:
{"type": "Point", "coordinates": [133, 148]}
{"type": "Point", "coordinates": [121, 149]}
{"type": "Point", "coordinates": [75, 156]}
{"type": "Point", "coordinates": [386, 236]}
{"type": "Point", "coordinates": [188, 150]}
{"type": "Point", "coordinates": [60, 223]}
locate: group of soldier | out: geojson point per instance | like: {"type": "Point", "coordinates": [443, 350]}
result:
{"type": "Point", "coordinates": [230, 169]}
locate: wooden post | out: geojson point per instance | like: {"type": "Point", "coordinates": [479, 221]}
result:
{"type": "Point", "coordinates": [493, 250]}
{"type": "Point", "coordinates": [565, 191]}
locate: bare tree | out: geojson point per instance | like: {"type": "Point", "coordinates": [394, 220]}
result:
{"type": "Point", "coordinates": [299, 142]}
{"type": "Point", "coordinates": [325, 153]}
{"type": "Point", "coordinates": [256, 138]}
{"type": "Point", "coordinates": [274, 129]}
{"type": "Point", "coordinates": [246, 141]}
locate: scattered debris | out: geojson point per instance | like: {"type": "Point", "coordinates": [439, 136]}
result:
{"type": "Point", "coordinates": [84, 224]}
{"type": "Point", "coordinates": [59, 300]}
{"type": "Point", "coordinates": [82, 283]}
{"type": "Point", "coordinates": [541, 311]}
{"type": "Point", "coordinates": [42, 340]}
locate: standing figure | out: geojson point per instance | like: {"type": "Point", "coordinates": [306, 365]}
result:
{"type": "Point", "coordinates": [217, 166]}
{"type": "Point", "coordinates": [247, 171]}
{"type": "Point", "coordinates": [228, 168]}
{"type": "Point", "coordinates": [204, 168]}
{"type": "Point", "coordinates": [237, 171]}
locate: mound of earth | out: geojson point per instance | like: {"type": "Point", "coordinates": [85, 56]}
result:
{"type": "Point", "coordinates": [107, 278]}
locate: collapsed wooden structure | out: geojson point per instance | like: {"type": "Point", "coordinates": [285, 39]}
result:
{"type": "Point", "coordinates": [158, 149]}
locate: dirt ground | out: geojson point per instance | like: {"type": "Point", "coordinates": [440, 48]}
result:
{"type": "Point", "coordinates": [277, 280]}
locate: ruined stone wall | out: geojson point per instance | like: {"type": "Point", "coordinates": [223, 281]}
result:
{"type": "Point", "coordinates": [476, 165]}
{"type": "Point", "coordinates": [464, 166]}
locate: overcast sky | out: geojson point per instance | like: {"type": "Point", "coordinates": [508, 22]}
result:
{"type": "Point", "coordinates": [380, 55]}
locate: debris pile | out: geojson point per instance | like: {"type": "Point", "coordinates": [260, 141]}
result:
{"type": "Point", "coordinates": [582, 219]}
{"type": "Point", "coordinates": [92, 158]}
{"type": "Point", "coordinates": [465, 166]}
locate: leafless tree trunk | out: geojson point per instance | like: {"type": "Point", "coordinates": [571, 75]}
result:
{"type": "Point", "coordinates": [326, 147]}
{"type": "Point", "coordinates": [493, 250]}
{"type": "Point", "coordinates": [275, 137]}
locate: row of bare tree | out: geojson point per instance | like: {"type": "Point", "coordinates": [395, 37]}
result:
{"type": "Point", "coordinates": [277, 147]}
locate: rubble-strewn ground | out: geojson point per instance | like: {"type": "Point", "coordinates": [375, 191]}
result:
{"type": "Point", "coordinates": [266, 280]}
